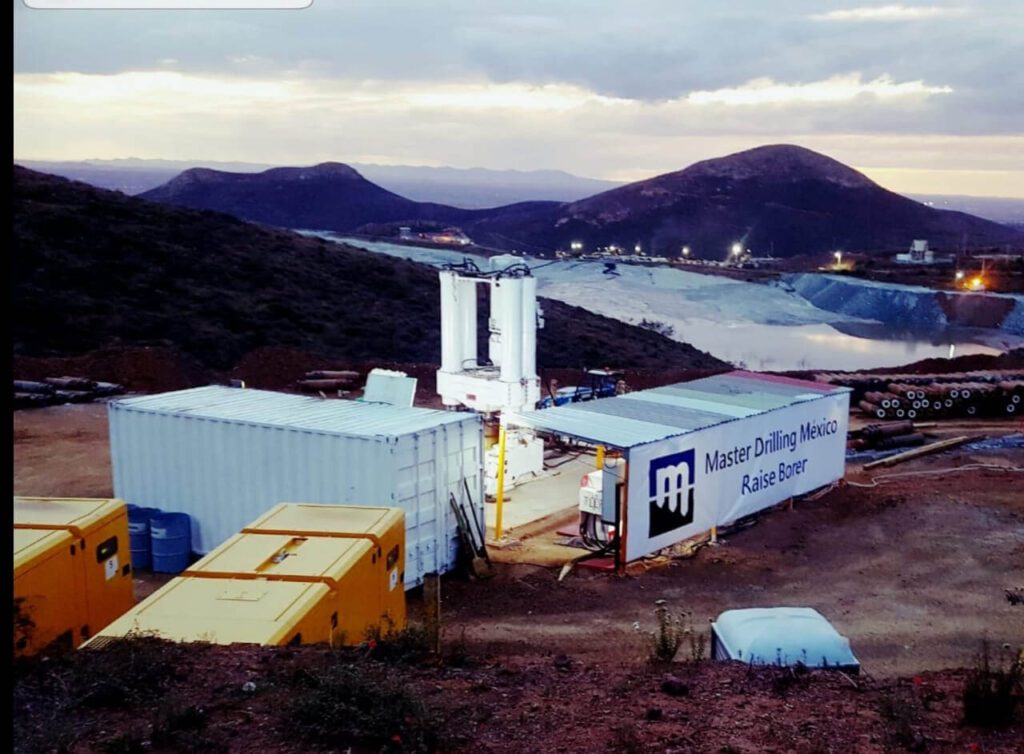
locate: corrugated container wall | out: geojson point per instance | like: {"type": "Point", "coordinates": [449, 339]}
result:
{"type": "Point", "coordinates": [227, 455]}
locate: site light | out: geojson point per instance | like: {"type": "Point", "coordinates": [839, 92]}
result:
{"type": "Point", "coordinates": [959, 274]}
{"type": "Point", "coordinates": [737, 249]}
{"type": "Point", "coordinates": [839, 257]}
{"type": "Point", "coordinates": [576, 245]}
{"type": "Point", "coordinates": [686, 251]}
{"type": "Point", "coordinates": [636, 249]}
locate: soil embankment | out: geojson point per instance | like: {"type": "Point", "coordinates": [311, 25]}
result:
{"type": "Point", "coordinates": [899, 305]}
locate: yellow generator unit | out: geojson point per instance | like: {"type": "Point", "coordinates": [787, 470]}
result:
{"type": "Point", "coordinates": [72, 574]}
{"type": "Point", "coordinates": [384, 527]}
{"type": "Point", "coordinates": [296, 576]}
{"type": "Point", "coordinates": [230, 611]}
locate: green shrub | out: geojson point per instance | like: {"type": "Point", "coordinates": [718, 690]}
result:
{"type": "Point", "coordinates": [668, 636]}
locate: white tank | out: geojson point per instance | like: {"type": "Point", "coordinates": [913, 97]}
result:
{"type": "Point", "coordinates": [466, 288]}
{"type": "Point", "coordinates": [495, 322]}
{"type": "Point", "coordinates": [451, 332]}
{"type": "Point", "coordinates": [529, 323]}
{"type": "Point", "coordinates": [511, 329]}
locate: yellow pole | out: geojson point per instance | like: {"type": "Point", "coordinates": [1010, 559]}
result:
{"type": "Point", "coordinates": [600, 456]}
{"type": "Point", "coordinates": [501, 483]}
{"type": "Point", "coordinates": [623, 516]}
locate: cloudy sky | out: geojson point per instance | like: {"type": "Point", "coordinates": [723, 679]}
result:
{"type": "Point", "coordinates": [922, 96]}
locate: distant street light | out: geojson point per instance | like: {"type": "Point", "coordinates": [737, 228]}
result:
{"type": "Point", "coordinates": [686, 251]}
{"type": "Point", "coordinates": [959, 274]}
{"type": "Point", "coordinates": [737, 249]}
{"type": "Point", "coordinates": [637, 248]}
{"type": "Point", "coordinates": [839, 258]}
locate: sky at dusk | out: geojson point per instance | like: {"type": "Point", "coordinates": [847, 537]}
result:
{"type": "Point", "coordinates": [924, 97]}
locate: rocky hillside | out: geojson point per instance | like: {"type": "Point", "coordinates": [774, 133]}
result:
{"type": "Point", "coordinates": [329, 196]}
{"type": "Point", "coordinates": [95, 269]}
{"type": "Point", "coordinates": [779, 200]}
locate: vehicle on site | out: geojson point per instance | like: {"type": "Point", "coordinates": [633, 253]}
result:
{"type": "Point", "coordinates": [596, 383]}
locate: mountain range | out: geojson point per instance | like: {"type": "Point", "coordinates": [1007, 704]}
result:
{"type": "Point", "coordinates": [95, 269]}
{"type": "Point", "coordinates": [468, 188]}
{"type": "Point", "coordinates": [778, 200]}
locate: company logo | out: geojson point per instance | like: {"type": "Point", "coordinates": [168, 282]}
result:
{"type": "Point", "coordinates": [671, 481]}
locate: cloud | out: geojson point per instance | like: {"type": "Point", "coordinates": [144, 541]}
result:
{"type": "Point", "coordinates": [765, 91]}
{"type": "Point", "coordinates": [890, 13]}
{"type": "Point", "coordinates": [597, 87]}
{"type": "Point", "coordinates": [307, 119]}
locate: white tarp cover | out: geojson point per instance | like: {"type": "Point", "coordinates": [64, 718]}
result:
{"type": "Point", "coordinates": [781, 636]}
{"type": "Point", "coordinates": [681, 486]}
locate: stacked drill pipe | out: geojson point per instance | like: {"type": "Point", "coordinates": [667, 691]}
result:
{"type": "Point", "coordinates": [886, 405]}
{"type": "Point", "coordinates": [328, 380]}
{"type": "Point", "coordinates": [1013, 396]}
{"type": "Point", "coordinates": [861, 384]}
{"type": "Point", "coordinates": [899, 434]}
{"type": "Point", "coordinates": [960, 399]}
{"type": "Point", "coordinates": [56, 390]}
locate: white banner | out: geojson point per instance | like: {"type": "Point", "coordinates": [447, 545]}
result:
{"type": "Point", "coordinates": [682, 486]}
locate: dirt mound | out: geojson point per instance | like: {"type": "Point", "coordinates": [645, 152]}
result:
{"type": "Point", "coordinates": [149, 370]}
{"type": "Point", "coordinates": [1010, 360]}
{"type": "Point", "coordinates": [210, 698]}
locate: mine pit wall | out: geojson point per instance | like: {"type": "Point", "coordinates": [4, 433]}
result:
{"type": "Point", "coordinates": [900, 305]}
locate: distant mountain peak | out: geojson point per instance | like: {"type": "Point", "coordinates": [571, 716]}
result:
{"type": "Point", "coordinates": [779, 163]}
{"type": "Point", "coordinates": [320, 170]}
{"type": "Point", "coordinates": [780, 199]}
{"type": "Point", "coordinates": [200, 176]}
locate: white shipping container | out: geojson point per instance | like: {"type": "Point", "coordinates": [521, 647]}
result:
{"type": "Point", "coordinates": [226, 456]}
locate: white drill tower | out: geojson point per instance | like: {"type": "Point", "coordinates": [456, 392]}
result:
{"type": "Point", "coordinates": [509, 382]}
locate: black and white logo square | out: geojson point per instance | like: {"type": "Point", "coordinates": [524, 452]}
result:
{"type": "Point", "coordinates": [671, 480]}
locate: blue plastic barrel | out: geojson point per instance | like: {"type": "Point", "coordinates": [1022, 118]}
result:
{"type": "Point", "coordinates": [138, 536]}
{"type": "Point", "coordinates": [171, 538]}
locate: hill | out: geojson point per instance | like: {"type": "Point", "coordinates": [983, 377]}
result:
{"type": "Point", "coordinates": [778, 200]}
{"type": "Point", "coordinates": [328, 196]}
{"type": "Point", "coordinates": [471, 188]}
{"type": "Point", "coordinates": [781, 200]}
{"type": "Point", "coordinates": [95, 269]}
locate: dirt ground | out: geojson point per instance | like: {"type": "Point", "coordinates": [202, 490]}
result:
{"type": "Point", "coordinates": [202, 698]}
{"type": "Point", "coordinates": [913, 570]}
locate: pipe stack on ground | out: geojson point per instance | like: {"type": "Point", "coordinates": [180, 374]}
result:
{"type": "Point", "coordinates": [862, 383]}
{"type": "Point", "coordinates": [57, 390]}
{"type": "Point", "coordinates": [986, 393]}
{"type": "Point", "coordinates": [946, 400]}
{"type": "Point", "coordinates": [900, 434]}
{"type": "Point", "coordinates": [323, 380]}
